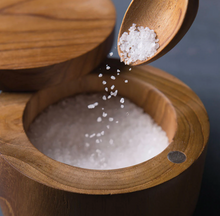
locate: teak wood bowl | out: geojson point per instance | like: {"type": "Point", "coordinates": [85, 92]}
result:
{"type": "Point", "coordinates": [46, 42]}
{"type": "Point", "coordinates": [34, 184]}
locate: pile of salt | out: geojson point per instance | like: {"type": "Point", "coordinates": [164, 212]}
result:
{"type": "Point", "coordinates": [139, 44]}
{"type": "Point", "coordinates": [104, 137]}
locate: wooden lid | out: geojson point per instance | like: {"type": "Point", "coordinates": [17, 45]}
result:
{"type": "Point", "coordinates": [41, 33]}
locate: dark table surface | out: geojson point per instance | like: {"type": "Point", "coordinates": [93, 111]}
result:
{"type": "Point", "coordinates": [196, 61]}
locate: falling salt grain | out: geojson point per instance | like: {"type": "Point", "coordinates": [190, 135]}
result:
{"type": "Point", "coordinates": [104, 97]}
{"type": "Point", "coordinates": [122, 106]}
{"type": "Point", "coordinates": [113, 77]}
{"type": "Point", "coordinates": [112, 87]}
{"type": "Point", "coordinates": [108, 67]}
{"type": "Point", "coordinates": [106, 88]}
{"type": "Point", "coordinates": [126, 81]}
{"type": "Point", "coordinates": [129, 69]}
{"type": "Point", "coordinates": [109, 96]}
{"type": "Point", "coordinates": [111, 53]}
{"type": "Point", "coordinates": [86, 135]}
{"type": "Point", "coordinates": [122, 100]}
{"type": "Point", "coordinates": [104, 82]}
{"type": "Point", "coordinates": [100, 75]}
{"type": "Point", "coordinates": [118, 70]}
{"type": "Point", "coordinates": [92, 106]}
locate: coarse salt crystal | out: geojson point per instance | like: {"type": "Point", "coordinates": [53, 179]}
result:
{"type": "Point", "coordinates": [111, 53]}
{"type": "Point", "coordinates": [122, 106]}
{"type": "Point", "coordinates": [112, 87]}
{"type": "Point", "coordinates": [118, 70]}
{"type": "Point", "coordinates": [99, 119]}
{"type": "Point", "coordinates": [108, 67]}
{"type": "Point", "coordinates": [104, 82]}
{"type": "Point", "coordinates": [104, 97]}
{"type": "Point", "coordinates": [92, 106]}
{"type": "Point", "coordinates": [111, 119]}
{"type": "Point", "coordinates": [113, 77]}
{"type": "Point", "coordinates": [100, 75]}
{"type": "Point", "coordinates": [106, 88]}
{"type": "Point", "coordinates": [104, 114]}
{"type": "Point", "coordinates": [98, 134]}
{"type": "Point", "coordinates": [122, 100]}
{"type": "Point", "coordinates": [114, 93]}
{"type": "Point", "coordinates": [126, 81]}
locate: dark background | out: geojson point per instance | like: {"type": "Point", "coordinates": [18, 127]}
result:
{"type": "Point", "coordinates": [196, 61]}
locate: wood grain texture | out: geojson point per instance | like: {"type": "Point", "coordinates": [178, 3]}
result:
{"type": "Point", "coordinates": [170, 19]}
{"type": "Point", "coordinates": [43, 42]}
{"type": "Point", "coordinates": [156, 187]}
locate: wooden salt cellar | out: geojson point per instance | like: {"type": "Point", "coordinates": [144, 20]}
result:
{"type": "Point", "coordinates": [33, 184]}
{"type": "Point", "coordinates": [49, 46]}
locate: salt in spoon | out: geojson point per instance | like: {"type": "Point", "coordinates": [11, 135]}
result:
{"type": "Point", "coordinates": [170, 19]}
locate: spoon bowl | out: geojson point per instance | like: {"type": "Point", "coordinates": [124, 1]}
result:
{"type": "Point", "coordinates": [170, 19]}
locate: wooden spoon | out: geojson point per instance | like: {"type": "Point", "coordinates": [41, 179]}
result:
{"type": "Point", "coordinates": [170, 19]}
